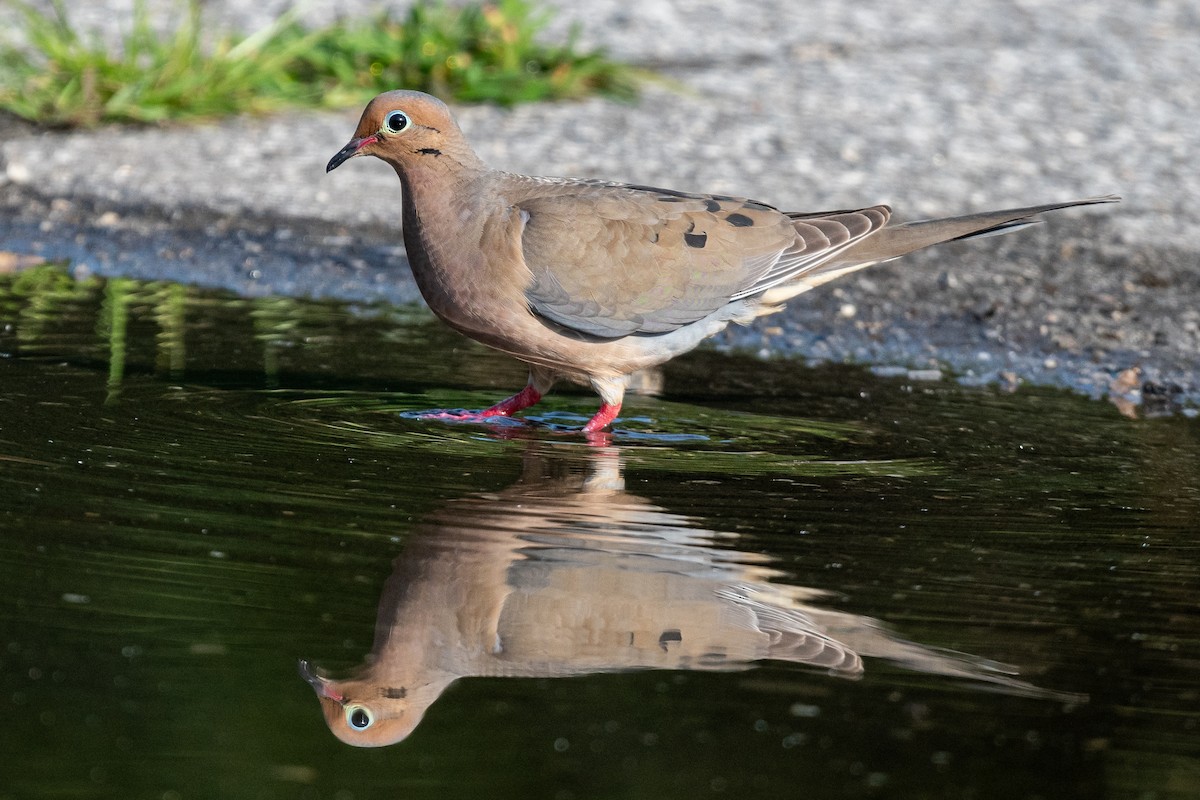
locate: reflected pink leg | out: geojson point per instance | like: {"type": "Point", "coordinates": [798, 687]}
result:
{"type": "Point", "coordinates": [518, 402]}
{"type": "Point", "coordinates": [606, 414]}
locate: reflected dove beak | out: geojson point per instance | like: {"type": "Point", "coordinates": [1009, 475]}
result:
{"type": "Point", "coordinates": [318, 682]}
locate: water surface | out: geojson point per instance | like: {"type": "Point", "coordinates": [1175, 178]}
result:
{"type": "Point", "coordinates": [964, 593]}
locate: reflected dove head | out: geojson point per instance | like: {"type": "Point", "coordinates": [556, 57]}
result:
{"type": "Point", "coordinates": [404, 128]}
{"type": "Point", "coordinates": [364, 713]}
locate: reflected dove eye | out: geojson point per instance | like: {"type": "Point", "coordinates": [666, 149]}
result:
{"type": "Point", "coordinates": [358, 717]}
{"type": "Point", "coordinates": [395, 121]}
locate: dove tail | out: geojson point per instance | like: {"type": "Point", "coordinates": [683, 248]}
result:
{"type": "Point", "coordinates": [893, 241]}
{"type": "Point", "coordinates": [898, 240]}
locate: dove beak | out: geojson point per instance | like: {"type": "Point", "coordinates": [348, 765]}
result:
{"type": "Point", "coordinates": [318, 682]}
{"type": "Point", "coordinates": [353, 148]}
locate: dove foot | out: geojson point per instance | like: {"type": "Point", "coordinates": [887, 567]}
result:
{"type": "Point", "coordinates": [604, 417]}
{"type": "Point", "coordinates": [518, 402]}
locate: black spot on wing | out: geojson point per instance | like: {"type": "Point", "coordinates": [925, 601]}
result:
{"type": "Point", "coordinates": [712, 206]}
{"type": "Point", "coordinates": [739, 220]}
{"type": "Point", "coordinates": [694, 239]}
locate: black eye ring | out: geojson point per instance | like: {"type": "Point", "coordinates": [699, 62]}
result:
{"type": "Point", "coordinates": [395, 121]}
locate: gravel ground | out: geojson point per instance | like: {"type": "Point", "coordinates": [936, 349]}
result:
{"type": "Point", "coordinates": [936, 107]}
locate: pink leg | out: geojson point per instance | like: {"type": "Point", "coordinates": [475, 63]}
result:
{"type": "Point", "coordinates": [518, 402]}
{"type": "Point", "coordinates": [607, 413]}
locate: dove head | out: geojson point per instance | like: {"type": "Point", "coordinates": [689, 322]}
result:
{"type": "Point", "coordinates": [405, 129]}
{"type": "Point", "coordinates": [365, 713]}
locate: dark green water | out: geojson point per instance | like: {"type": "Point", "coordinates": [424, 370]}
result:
{"type": "Point", "coordinates": [198, 490]}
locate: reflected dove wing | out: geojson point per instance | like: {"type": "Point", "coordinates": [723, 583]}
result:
{"type": "Point", "coordinates": [582, 605]}
{"type": "Point", "coordinates": [610, 260]}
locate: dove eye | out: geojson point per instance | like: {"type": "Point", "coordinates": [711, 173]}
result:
{"type": "Point", "coordinates": [358, 717]}
{"type": "Point", "coordinates": [395, 121]}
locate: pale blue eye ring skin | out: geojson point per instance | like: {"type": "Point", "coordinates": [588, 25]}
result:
{"type": "Point", "coordinates": [395, 121]}
{"type": "Point", "coordinates": [358, 717]}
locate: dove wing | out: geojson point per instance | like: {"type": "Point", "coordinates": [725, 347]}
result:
{"type": "Point", "coordinates": [611, 260]}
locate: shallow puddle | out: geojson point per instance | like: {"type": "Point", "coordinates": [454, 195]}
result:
{"type": "Point", "coordinates": [770, 581]}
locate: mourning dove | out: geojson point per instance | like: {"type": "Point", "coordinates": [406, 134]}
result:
{"type": "Point", "coordinates": [590, 281]}
{"type": "Point", "coordinates": [566, 575]}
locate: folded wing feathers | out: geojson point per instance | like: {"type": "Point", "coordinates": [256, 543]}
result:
{"type": "Point", "coordinates": [820, 239]}
{"type": "Point", "coordinates": [792, 635]}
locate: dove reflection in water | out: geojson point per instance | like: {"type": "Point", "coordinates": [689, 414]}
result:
{"type": "Point", "coordinates": [567, 575]}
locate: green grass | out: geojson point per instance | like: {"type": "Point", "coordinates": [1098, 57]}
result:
{"type": "Point", "coordinates": [489, 52]}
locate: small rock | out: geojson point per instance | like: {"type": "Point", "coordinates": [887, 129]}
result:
{"type": "Point", "coordinates": [14, 262]}
{"type": "Point", "coordinates": [1126, 381]}
{"type": "Point", "coordinates": [18, 172]}
{"type": "Point", "coordinates": [1155, 389]}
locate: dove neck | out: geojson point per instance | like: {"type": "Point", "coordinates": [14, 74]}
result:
{"type": "Point", "coordinates": [441, 215]}
{"type": "Point", "coordinates": [437, 202]}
